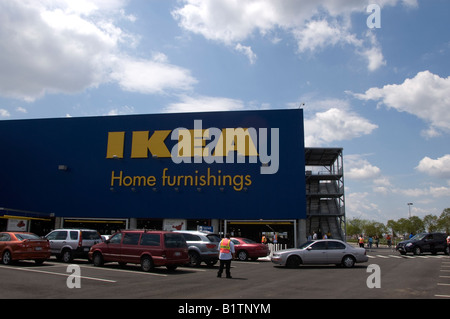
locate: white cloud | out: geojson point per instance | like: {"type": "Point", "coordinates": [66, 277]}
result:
{"type": "Point", "coordinates": [373, 53]}
{"type": "Point", "coordinates": [155, 76]}
{"type": "Point", "coordinates": [357, 167]}
{"type": "Point", "coordinates": [359, 205]}
{"type": "Point", "coordinates": [425, 96]}
{"type": "Point", "coordinates": [21, 110]}
{"type": "Point", "coordinates": [205, 104]}
{"type": "Point", "coordinates": [314, 24]}
{"type": "Point", "coordinates": [439, 167]}
{"type": "Point", "coordinates": [433, 191]}
{"type": "Point", "coordinates": [4, 113]}
{"type": "Point", "coordinates": [121, 110]}
{"type": "Point", "coordinates": [335, 125]}
{"type": "Point", "coordinates": [64, 46]}
{"type": "Point", "coordinates": [247, 51]}
{"type": "Point", "coordinates": [318, 34]}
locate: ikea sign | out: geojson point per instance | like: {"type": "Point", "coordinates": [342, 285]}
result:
{"type": "Point", "coordinates": [225, 165]}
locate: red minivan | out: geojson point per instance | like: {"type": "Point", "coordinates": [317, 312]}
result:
{"type": "Point", "coordinates": [148, 248]}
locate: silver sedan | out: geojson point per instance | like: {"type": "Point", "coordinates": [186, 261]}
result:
{"type": "Point", "coordinates": [324, 251]}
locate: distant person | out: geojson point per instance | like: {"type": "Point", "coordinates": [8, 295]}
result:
{"type": "Point", "coordinates": [226, 249]}
{"type": "Point", "coordinates": [370, 242]}
{"type": "Point", "coordinates": [389, 241]}
{"type": "Point", "coordinates": [448, 244]}
{"type": "Point", "coordinates": [361, 241]}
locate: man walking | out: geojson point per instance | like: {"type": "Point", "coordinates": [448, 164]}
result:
{"type": "Point", "coordinates": [226, 249]}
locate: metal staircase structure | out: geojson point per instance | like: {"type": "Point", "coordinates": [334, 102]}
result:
{"type": "Point", "coordinates": [325, 200]}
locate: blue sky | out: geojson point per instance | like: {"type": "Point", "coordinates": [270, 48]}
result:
{"type": "Point", "coordinates": [383, 94]}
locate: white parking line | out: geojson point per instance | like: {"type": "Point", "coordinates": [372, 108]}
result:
{"type": "Point", "coordinates": [56, 273]}
{"type": "Point", "coordinates": [126, 270]}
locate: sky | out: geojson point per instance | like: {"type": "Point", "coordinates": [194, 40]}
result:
{"type": "Point", "coordinates": [373, 77]}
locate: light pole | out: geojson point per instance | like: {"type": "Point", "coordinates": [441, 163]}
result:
{"type": "Point", "coordinates": [409, 207]}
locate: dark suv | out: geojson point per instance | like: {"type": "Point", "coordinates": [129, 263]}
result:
{"type": "Point", "coordinates": [424, 242]}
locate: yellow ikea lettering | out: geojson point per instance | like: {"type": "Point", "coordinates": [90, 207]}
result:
{"type": "Point", "coordinates": [211, 145]}
{"type": "Point", "coordinates": [131, 180]}
{"type": "Point", "coordinates": [141, 144]}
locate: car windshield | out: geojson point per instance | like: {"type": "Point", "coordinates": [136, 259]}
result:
{"type": "Point", "coordinates": [304, 245]}
{"type": "Point", "coordinates": [23, 236]}
{"type": "Point", "coordinates": [418, 236]}
{"type": "Point", "coordinates": [248, 241]}
{"type": "Point", "coordinates": [213, 238]}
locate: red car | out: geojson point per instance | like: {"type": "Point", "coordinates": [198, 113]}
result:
{"type": "Point", "coordinates": [246, 248]}
{"type": "Point", "coordinates": [23, 246]}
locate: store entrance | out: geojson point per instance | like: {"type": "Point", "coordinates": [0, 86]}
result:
{"type": "Point", "coordinates": [276, 232]}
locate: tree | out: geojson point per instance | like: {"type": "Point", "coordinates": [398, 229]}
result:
{"type": "Point", "coordinates": [444, 221]}
{"type": "Point", "coordinates": [431, 223]}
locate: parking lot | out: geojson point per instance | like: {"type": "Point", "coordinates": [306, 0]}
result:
{"type": "Point", "coordinates": [402, 277]}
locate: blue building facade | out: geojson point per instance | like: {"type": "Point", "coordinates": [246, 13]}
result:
{"type": "Point", "coordinates": [243, 165]}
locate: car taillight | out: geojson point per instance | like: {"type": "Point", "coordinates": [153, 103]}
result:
{"type": "Point", "coordinates": [210, 246]}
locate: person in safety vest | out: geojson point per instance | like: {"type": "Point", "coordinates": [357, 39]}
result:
{"type": "Point", "coordinates": [226, 249]}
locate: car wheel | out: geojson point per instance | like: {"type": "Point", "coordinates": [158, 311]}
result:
{"type": "Point", "coordinates": [39, 261]}
{"type": "Point", "coordinates": [7, 258]}
{"type": "Point", "coordinates": [210, 263]}
{"type": "Point", "coordinates": [417, 250]}
{"type": "Point", "coordinates": [146, 264]}
{"type": "Point", "coordinates": [97, 260]}
{"type": "Point", "coordinates": [242, 255]}
{"type": "Point", "coordinates": [194, 259]}
{"type": "Point", "coordinates": [293, 262]}
{"type": "Point", "coordinates": [67, 256]}
{"type": "Point", "coordinates": [348, 261]}
{"type": "Point", "coordinates": [171, 267]}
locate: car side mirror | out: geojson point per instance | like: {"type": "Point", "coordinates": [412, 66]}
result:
{"type": "Point", "coordinates": [309, 248]}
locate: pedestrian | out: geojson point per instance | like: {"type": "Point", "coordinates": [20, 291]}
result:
{"type": "Point", "coordinates": [370, 241]}
{"type": "Point", "coordinates": [226, 249]}
{"type": "Point", "coordinates": [448, 245]}
{"type": "Point", "coordinates": [263, 239]}
{"type": "Point", "coordinates": [361, 241]}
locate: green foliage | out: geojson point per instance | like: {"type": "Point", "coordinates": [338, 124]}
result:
{"type": "Point", "coordinates": [415, 225]}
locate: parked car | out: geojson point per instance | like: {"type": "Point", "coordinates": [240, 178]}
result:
{"type": "Point", "coordinates": [148, 248]}
{"type": "Point", "coordinates": [325, 251]}
{"type": "Point", "coordinates": [246, 248]}
{"type": "Point", "coordinates": [23, 246]}
{"type": "Point", "coordinates": [203, 247]}
{"type": "Point", "coordinates": [424, 242]}
{"type": "Point", "coordinates": [68, 244]}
